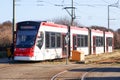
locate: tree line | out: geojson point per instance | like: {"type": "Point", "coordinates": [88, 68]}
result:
{"type": "Point", "coordinates": [5, 35]}
{"type": "Point", "coordinates": [6, 32]}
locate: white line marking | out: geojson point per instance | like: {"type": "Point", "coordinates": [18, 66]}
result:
{"type": "Point", "coordinates": [58, 74]}
{"type": "Point", "coordinates": [83, 76]}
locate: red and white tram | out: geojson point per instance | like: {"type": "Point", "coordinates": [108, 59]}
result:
{"type": "Point", "coordinates": [36, 41]}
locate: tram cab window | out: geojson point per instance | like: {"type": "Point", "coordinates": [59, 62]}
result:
{"type": "Point", "coordinates": [25, 39]}
{"type": "Point", "coordinates": [40, 40]}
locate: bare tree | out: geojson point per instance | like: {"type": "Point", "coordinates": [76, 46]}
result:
{"type": "Point", "coordinates": [65, 21]}
{"type": "Point", "coordinates": [101, 28]}
{"type": "Point", "coordinates": [5, 34]}
{"type": "Point", "coordinates": [117, 39]}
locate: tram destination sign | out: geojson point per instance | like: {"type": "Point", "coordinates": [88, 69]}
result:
{"type": "Point", "coordinates": [27, 27]}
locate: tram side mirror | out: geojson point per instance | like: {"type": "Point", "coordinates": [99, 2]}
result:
{"type": "Point", "coordinates": [67, 38]}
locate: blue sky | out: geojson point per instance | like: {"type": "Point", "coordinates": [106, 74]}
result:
{"type": "Point", "coordinates": [88, 12]}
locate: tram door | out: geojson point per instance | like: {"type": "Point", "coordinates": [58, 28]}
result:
{"type": "Point", "coordinates": [106, 44]}
{"type": "Point", "coordinates": [74, 42]}
{"type": "Point", "coordinates": [64, 46]}
{"type": "Point", "coordinates": [94, 45]}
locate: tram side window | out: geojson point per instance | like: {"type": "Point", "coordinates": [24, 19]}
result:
{"type": "Point", "coordinates": [78, 41]}
{"type": "Point", "coordinates": [47, 41]}
{"type": "Point", "coordinates": [109, 41]}
{"type": "Point", "coordinates": [58, 37]}
{"type": "Point", "coordinates": [82, 40]}
{"type": "Point", "coordinates": [53, 40]}
{"type": "Point", "coordinates": [40, 40]}
{"type": "Point", "coordinates": [86, 40]}
{"type": "Point", "coordinates": [99, 41]}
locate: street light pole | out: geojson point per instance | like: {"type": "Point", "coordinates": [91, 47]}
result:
{"type": "Point", "coordinates": [13, 26]}
{"type": "Point", "coordinates": [108, 16]}
{"type": "Point", "coordinates": [112, 5]}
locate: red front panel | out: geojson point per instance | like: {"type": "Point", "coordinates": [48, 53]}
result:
{"type": "Point", "coordinates": [24, 52]}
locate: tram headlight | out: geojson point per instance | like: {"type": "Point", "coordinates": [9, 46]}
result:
{"type": "Point", "coordinates": [15, 49]}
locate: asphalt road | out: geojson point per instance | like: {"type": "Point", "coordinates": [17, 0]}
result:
{"type": "Point", "coordinates": [103, 73]}
{"type": "Point", "coordinates": [91, 73]}
{"type": "Point", "coordinates": [57, 71]}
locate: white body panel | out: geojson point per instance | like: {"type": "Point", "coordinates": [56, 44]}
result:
{"type": "Point", "coordinates": [96, 49]}
{"type": "Point", "coordinates": [84, 50]}
{"type": "Point", "coordinates": [107, 47]}
{"type": "Point", "coordinates": [79, 31]}
{"type": "Point", "coordinates": [24, 58]}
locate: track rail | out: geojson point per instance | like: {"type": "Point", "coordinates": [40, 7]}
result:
{"type": "Point", "coordinates": [84, 75]}
{"type": "Point", "coordinates": [81, 77]}
{"type": "Point", "coordinates": [55, 76]}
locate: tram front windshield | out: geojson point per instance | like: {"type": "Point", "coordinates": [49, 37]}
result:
{"type": "Point", "coordinates": [26, 38]}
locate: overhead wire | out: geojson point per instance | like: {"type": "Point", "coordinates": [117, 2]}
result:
{"type": "Point", "coordinates": [105, 1]}
{"type": "Point", "coordinates": [63, 3]}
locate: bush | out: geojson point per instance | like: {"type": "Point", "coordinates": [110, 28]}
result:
{"type": "Point", "coordinates": [3, 54]}
{"type": "Point", "coordinates": [5, 35]}
{"type": "Point", "coordinates": [117, 39]}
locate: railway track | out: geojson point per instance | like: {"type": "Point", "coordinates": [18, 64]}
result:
{"type": "Point", "coordinates": [96, 73]}
{"type": "Point", "coordinates": [72, 74]}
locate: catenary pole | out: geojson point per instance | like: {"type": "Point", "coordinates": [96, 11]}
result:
{"type": "Point", "coordinates": [108, 16]}
{"type": "Point", "coordinates": [69, 30]}
{"type": "Point", "coordinates": [13, 24]}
